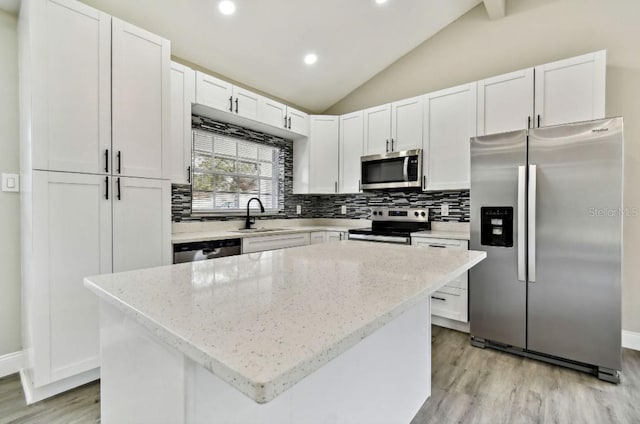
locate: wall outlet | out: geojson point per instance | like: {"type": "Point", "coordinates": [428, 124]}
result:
{"type": "Point", "coordinates": [343, 209]}
{"type": "Point", "coordinates": [10, 182]}
{"type": "Point", "coordinates": [444, 209]}
{"type": "Point", "coordinates": [298, 209]}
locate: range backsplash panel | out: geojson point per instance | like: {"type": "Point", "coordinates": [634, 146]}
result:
{"type": "Point", "coordinates": [359, 206]}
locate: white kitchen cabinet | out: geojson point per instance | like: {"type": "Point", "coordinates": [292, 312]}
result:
{"type": "Point", "coordinates": [297, 121]}
{"type": "Point", "coordinates": [183, 91]}
{"type": "Point", "coordinates": [571, 90]}
{"type": "Point", "coordinates": [377, 129]}
{"type": "Point", "coordinates": [71, 239]}
{"type": "Point", "coordinates": [263, 243]}
{"type": "Point", "coordinates": [450, 121]}
{"type": "Point", "coordinates": [141, 223]}
{"type": "Point", "coordinates": [407, 124]}
{"type": "Point", "coordinates": [318, 237]}
{"type": "Point", "coordinates": [246, 103]}
{"type": "Point", "coordinates": [505, 103]}
{"type": "Point", "coordinates": [66, 93]}
{"type": "Point", "coordinates": [324, 138]}
{"type": "Point", "coordinates": [336, 236]}
{"type": "Point", "coordinates": [141, 98]}
{"type": "Point", "coordinates": [351, 148]}
{"type": "Point", "coordinates": [273, 113]}
{"type": "Point", "coordinates": [214, 92]}
{"type": "Point", "coordinates": [452, 300]}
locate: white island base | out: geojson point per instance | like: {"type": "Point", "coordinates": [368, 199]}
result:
{"type": "Point", "coordinates": [383, 379]}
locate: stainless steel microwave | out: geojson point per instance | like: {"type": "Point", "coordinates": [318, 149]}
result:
{"type": "Point", "coordinates": [392, 170]}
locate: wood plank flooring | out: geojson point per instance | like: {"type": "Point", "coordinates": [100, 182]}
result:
{"type": "Point", "coordinates": [469, 385]}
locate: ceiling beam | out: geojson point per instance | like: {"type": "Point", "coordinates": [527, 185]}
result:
{"type": "Point", "coordinates": [496, 9]}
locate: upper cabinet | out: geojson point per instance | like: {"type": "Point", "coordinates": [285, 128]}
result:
{"type": "Point", "coordinates": [571, 90]}
{"type": "Point", "coordinates": [394, 127]}
{"type": "Point", "coordinates": [66, 95]}
{"type": "Point", "coordinates": [183, 92]}
{"type": "Point", "coordinates": [141, 96]}
{"type": "Point", "coordinates": [219, 99]}
{"type": "Point", "coordinates": [505, 102]}
{"type": "Point", "coordinates": [562, 92]}
{"type": "Point", "coordinates": [315, 159]}
{"type": "Point", "coordinates": [351, 148]}
{"type": "Point", "coordinates": [450, 121]}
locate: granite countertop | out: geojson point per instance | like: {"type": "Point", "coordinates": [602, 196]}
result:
{"type": "Point", "coordinates": [230, 234]}
{"type": "Point", "coordinates": [264, 321]}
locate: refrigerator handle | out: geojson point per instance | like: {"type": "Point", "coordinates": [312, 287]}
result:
{"type": "Point", "coordinates": [522, 178]}
{"type": "Point", "coordinates": [532, 223]}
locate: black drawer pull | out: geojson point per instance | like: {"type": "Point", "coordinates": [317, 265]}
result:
{"type": "Point", "coordinates": [439, 298]}
{"type": "Point", "coordinates": [438, 246]}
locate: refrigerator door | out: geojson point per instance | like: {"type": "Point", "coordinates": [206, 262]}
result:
{"type": "Point", "coordinates": [497, 287]}
{"type": "Point", "coordinates": [575, 241]}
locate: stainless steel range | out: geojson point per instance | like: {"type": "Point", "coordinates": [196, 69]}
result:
{"type": "Point", "coordinates": [393, 225]}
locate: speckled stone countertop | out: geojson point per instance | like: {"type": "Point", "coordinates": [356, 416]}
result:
{"type": "Point", "coordinates": [264, 321]}
{"type": "Point", "coordinates": [231, 234]}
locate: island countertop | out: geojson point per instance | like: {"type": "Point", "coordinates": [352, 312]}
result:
{"type": "Point", "coordinates": [264, 321]}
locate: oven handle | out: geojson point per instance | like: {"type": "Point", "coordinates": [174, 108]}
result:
{"type": "Point", "coordinates": [405, 169]}
{"type": "Point", "coordinates": [381, 239]}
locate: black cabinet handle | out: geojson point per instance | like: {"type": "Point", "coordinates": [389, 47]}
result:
{"type": "Point", "coordinates": [289, 122]}
{"type": "Point", "coordinates": [528, 122]}
{"type": "Point", "coordinates": [106, 185]}
{"type": "Point", "coordinates": [336, 186]}
{"type": "Point", "coordinates": [392, 144]}
{"type": "Point", "coordinates": [106, 160]}
{"type": "Point", "coordinates": [231, 104]}
{"type": "Point", "coordinates": [438, 246]}
{"type": "Point", "coordinates": [439, 298]}
{"type": "Point", "coordinates": [387, 146]}
{"type": "Point", "coordinates": [285, 122]}
{"type": "Point", "coordinates": [424, 182]}
{"type": "Point", "coordinates": [119, 162]}
{"type": "Point", "coordinates": [189, 174]}
{"type": "Point", "coordinates": [236, 105]}
{"type": "Point", "coordinates": [359, 185]}
{"type": "Point", "coordinates": [538, 121]}
{"type": "Point", "coordinates": [118, 186]}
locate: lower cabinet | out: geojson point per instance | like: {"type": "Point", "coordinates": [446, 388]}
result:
{"type": "Point", "coordinates": [78, 225]}
{"type": "Point", "coordinates": [336, 236]}
{"type": "Point", "coordinates": [263, 243]}
{"type": "Point", "coordinates": [318, 237]}
{"type": "Point", "coordinates": [452, 300]}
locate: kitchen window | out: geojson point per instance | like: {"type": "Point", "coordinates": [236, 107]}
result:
{"type": "Point", "coordinates": [228, 171]}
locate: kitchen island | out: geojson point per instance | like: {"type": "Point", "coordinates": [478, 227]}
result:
{"type": "Point", "coordinates": [327, 333]}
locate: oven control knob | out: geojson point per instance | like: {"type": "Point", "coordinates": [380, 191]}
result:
{"type": "Point", "coordinates": [423, 214]}
{"type": "Point", "coordinates": [416, 214]}
{"type": "Point", "coordinates": [375, 213]}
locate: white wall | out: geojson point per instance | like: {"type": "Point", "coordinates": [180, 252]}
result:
{"type": "Point", "coordinates": [10, 329]}
{"type": "Point", "coordinates": [535, 32]}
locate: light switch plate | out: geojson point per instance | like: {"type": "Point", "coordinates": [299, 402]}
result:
{"type": "Point", "coordinates": [298, 209]}
{"type": "Point", "coordinates": [444, 209]}
{"type": "Point", "coordinates": [343, 209]}
{"type": "Point", "coordinates": [11, 182]}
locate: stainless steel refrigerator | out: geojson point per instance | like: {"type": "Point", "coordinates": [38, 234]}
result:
{"type": "Point", "coordinates": [546, 206]}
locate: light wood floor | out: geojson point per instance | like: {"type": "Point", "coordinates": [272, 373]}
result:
{"type": "Point", "coordinates": [469, 385]}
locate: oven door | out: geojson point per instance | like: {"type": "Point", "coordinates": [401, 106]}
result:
{"type": "Point", "coordinates": [391, 170]}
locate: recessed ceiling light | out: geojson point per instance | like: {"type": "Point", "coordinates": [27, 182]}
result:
{"type": "Point", "coordinates": [310, 59]}
{"type": "Point", "coordinates": [227, 7]}
{"type": "Point", "coordinates": [381, 1]}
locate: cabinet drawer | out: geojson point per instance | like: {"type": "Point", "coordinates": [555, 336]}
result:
{"type": "Point", "coordinates": [437, 242]}
{"type": "Point", "coordinates": [450, 302]}
{"type": "Point", "coordinates": [260, 244]}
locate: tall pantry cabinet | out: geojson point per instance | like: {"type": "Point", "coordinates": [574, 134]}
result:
{"type": "Point", "coordinates": [94, 94]}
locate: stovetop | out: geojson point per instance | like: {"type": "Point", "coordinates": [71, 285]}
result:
{"type": "Point", "coordinates": [396, 222]}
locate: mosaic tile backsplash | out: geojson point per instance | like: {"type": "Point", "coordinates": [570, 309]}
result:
{"type": "Point", "coordinates": [359, 206]}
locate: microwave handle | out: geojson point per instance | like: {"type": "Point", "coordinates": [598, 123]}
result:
{"type": "Point", "coordinates": [405, 169]}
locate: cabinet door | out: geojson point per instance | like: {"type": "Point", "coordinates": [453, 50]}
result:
{"type": "Point", "coordinates": [141, 223]}
{"type": "Point", "coordinates": [246, 103]}
{"type": "Point", "coordinates": [298, 121]}
{"type": "Point", "coordinates": [571, 90]}
{"type": "Point", "coordinates": [141, 98]}
{"type": "Point", "coordinates": [323, 155]}
{"type": "Point", "coordinates": [351, 140]}
{"type": "Point", "coordinates": [273, 113]}
{"type": "Point", "coordinates": [264, 243]}
{"type": "Point", "coordinates": [71, 240]}
{"type": "Point", "coordinates": [450, 121]}
{"type": "Point", "coordinates": [406, 124]}
{"type": "Point", "coordinates": [335, 236]}
{"type": "Point", "coordinates": [178, 165]}
{"type": "Point", "coordinates": [69, 86]}
{"type": "Point", "coordinates": [377, 130]}
{"type": "Point", "coordinates": [505, 103]}
{"type": "Point", "coordinates": [214, 92]}
{"type": "Point", "coordinates": [318, 237]}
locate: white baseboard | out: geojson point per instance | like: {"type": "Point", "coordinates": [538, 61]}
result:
{"type": "Point", "coordinates": [35, 394]}
{"type": "Point", "coordinates": [449, 323]}
{"type": "Point", "coordinates": [10, 364]}
{"type": "Point", "coordinates": [630, 340]}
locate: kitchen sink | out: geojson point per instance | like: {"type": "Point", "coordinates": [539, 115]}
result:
{"type": "Point", "coordinates": [258, 230]}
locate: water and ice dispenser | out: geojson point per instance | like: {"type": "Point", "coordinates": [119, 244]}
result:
{"type": "Point", "coordinates": [496, 226]}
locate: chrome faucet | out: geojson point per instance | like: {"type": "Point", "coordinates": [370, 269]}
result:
{"type": "Point", "coordinates": [249, 221]}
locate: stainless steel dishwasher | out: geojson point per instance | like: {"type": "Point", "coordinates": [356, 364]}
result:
{"type": "Point", "coordinates": [203, 250]}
